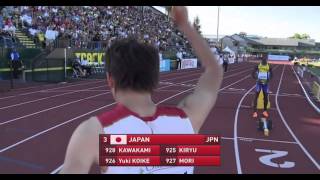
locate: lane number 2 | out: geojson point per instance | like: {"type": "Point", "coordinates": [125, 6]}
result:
{"type": "Point", "coordinates": [267, 159]}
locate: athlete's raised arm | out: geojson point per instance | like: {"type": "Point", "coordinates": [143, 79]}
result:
{"type": "Point", "coordinates": [198, 105]}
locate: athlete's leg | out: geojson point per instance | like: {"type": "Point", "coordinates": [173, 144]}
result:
{"type": "Point", "coordinates": [255, 101]}
{"type": "Point", "coordinates": [265, 90]}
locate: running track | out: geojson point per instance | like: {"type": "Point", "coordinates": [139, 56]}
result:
{"type": "Point", "coordinates": [36, 122]}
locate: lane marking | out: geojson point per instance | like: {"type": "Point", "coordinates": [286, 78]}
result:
{"type": "Point", "coordinates": [75, 90]}
{"type": "Point", "coordinates": [316, 108]}
{"type": "Point", "coordinates": [40, 99]}
{"type": "Point", "coordinates": [65, 104]}
{"type": "Point", "coordinates": [267, 159]}
{"type": "Point", "coordinates": [250, 107]}
{"type": "Point", "coordinates": [245, 70]}
{"type": "Point", "coordinates": [33, 92]}
{"type": "Point", "coordinates": [248, 139]}
{"type": "Point", "coordinates": [56, 170]}
{"type": "Point", "coordinates": [54, 127]}
{"type": "Point", "coordinates": [265, 140]}
{"type": "Point", "coordinates": [289, 129]}
{"type": "Point", "coordinates": [235, 89]}
{"type": "Point", "coordinates": [54, 107]}
{"type": "Point", "coordinates": [235, 131]}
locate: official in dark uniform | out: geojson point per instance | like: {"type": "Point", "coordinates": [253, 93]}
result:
{"type": "Point", "coordinates": [16, 63]}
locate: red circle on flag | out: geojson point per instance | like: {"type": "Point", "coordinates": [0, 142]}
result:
{"type": "Point", "coordinates": [118, 139]}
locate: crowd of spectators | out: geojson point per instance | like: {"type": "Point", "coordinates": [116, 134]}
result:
{"type": "Point", "coordinates": [94, 27]}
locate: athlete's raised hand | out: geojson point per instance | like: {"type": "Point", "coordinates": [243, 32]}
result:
{"type": "Point", "coordinates": [199, 104]}
{"type": "Point", "coordinates": [180, 15]}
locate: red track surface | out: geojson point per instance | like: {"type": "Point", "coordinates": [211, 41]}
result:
{"type": "Point", "coordinates": [36, 123]}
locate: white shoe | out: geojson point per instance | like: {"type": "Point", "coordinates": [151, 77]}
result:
{"type": "Point", "coordinates": [266, 132]}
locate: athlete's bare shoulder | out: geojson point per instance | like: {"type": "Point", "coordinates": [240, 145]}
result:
{"type": "Point", "coordinates": [83, 147]}
{"type": "Point", "coordinates": [91, 125]}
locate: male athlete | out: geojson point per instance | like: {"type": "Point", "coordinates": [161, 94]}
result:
{"type": "Point", "coordinates": [132, 74]}
{"type": "Point", "coordinates": [262, 74]}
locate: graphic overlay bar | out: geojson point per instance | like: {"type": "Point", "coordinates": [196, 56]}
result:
{"type": "Point", "coordinates": [130, 161]}
{"type": "Point", "coordinates": [130, 150]}
{"type": "Point", "coordinates": [159, 150]}
{"type": "Point", "coordinates": [160, 139]}
{"type": "Point", "coordinates": [190, 161]}
{"type": "Point", "coordinates": [191, 150]}
{"type": "Point", "coordinates": [160, 161]}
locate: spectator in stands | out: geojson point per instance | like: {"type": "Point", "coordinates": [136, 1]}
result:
{"type": "Point", "coordinates": [1, 22]}
{"type": "Point", "coordinates": [41, 39]}
{"type": "Point", "coordinates": [105, 23]}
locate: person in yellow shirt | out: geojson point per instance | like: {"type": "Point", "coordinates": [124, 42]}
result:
{"type": "Point", "coordinates": [41, 39]}
{"type": "Point", "coordinates": [262, 74]}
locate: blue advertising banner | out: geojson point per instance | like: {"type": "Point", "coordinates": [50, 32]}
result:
{"type": "Point", "coordinates": [165, 65]}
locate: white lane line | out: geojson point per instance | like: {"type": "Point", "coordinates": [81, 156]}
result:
{"type": "Point", "coordinates": [250, 107]}
{"type": "Point", "coordinates": [40, 99]}
{"type": "Point", "coordinates": [245, 69]}
{"type": "Point", "coordinates": [76, 90]}
{"type": "Point", "coordinates": [316, 108]}
{"type": "Point", "coordinates": [257, 139]}
{"type": "Point", "coordinates": [57, 170]}
{"type": "Point", "coordinates": [223, 77]}
{"type": "Point", "coordinates": [282, 95]}
{"type": "Point", "coordinates": [55, 107]}
{"type": "Point", "coordinates": [289, 129]}
{"type": "Point", "coordinates": [33, 92]}
{"type": "Point", "coordinates": [236, 89]}
{"type": "Point", "coordinates": [235, 132]}
{"type": "Point", "coordinates": [48, 109]}
{"type": "Point", "coordinates": [265, 140]}
{"type": "Point", "coordinates": [54, 127]}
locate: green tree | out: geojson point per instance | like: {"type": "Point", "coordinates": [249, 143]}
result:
{"type": "Point", "coordinates": [305, 36]}
{"type": "Point", "coordinates": [300, 36]}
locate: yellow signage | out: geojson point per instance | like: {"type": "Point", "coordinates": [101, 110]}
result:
{"type": "Point", "coordinates": [91, 57]}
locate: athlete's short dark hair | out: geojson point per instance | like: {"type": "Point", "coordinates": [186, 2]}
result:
{"type": "Point", "coordinates": [133, 65]}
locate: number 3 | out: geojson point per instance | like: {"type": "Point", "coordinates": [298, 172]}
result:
{"type": "Point", "coordinates": [267, 159]}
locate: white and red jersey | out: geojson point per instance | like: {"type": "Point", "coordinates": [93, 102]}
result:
{"type": "Point", "coordinates": [166, 120]}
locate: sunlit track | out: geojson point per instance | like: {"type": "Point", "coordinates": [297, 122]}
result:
{"type": "Point", "coordinates": [280, 134]}
{"type": "Point", "coordinates": [54, 128]}
{"type": "Point", "coordinates": [305, 151]}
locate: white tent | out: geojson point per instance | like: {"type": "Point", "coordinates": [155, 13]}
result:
{"type": "Point", "coordinates": [227, 49]}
